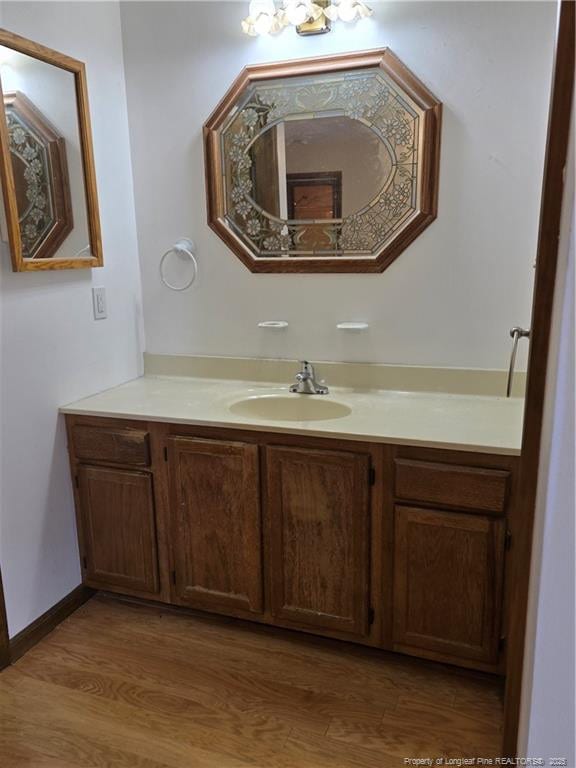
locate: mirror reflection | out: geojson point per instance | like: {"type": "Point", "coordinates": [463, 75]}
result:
{"type": "Point", "coordinates": [318, 168]}
{"type": "Point", "coordinates": [46, 157]}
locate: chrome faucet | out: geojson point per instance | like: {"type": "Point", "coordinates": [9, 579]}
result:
{"type": "Point", "coordinates": [306, 383]}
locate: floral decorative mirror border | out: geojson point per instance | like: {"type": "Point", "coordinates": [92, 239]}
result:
{"type": "Point", "coordinates": [375, 91]}
{"type": "Point", "coordinates": [35, 234]}
{"type": "Point", "coordinates": [40, 177]}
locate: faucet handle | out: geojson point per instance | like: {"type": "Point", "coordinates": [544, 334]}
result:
{"type": "Point", "coordinates": [306, 381]}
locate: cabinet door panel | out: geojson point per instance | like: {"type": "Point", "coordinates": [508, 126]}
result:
{"type": "Point", "coordinates": [217, 524]}
{"type": "Point", "coordinates": [447, 582]}
{"type": "Point", "coordinates": [118, 528]}
{"type": "Point", "coordinates": [318, 523]}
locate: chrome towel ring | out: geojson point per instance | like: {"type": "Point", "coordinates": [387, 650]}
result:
{"type": "Point", "coordinates": [183, 247]}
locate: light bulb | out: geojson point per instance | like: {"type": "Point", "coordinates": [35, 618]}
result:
{"type": "Point", "coordinates": [248, 26]}
{"type": "Point", "coordinates": [363, 10]}
{"type": "Point", "coordinates": [263, 24]}
{"type": "Point", "coordinates": [296, 13]}
{"type": "Point", "coordinates": [347, 10]}
{"type": "Point", "coordinates": [331, 12]}
{"type": "Point", "coordinates": [262, 19]}
{"type": "Point", "coordinates": [258, 7]}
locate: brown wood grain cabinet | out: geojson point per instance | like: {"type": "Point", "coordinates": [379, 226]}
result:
{"type": "Point", "coordinates": [447, 583]}
{"type": "Point", "coordinates": [118, 543]}
{"type": "Point", "coordinates": [112, 445]}
{"type": "Point", "coordinates": [398, 547]}
{"type": "Point", "coordinates": [216, 524]}
{"type": "Point", "coordinates": [318, 516]}
{"type": "Point", "coordinates": [471, 488]}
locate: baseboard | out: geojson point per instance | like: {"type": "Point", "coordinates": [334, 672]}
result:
{"type": "Point", "coordinates": [4, 642]}
{"type": "Point", "coordinates": [49, 620]}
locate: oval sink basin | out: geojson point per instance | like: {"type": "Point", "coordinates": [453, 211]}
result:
{"type": "Point", "coordinates": [290, 408]}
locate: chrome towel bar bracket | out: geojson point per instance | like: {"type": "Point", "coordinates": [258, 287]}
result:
{"type": "Point", "coordinates": [516, 333]}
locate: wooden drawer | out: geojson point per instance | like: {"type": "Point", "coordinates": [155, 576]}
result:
{"type": "Point", "coordinates": [115, 445]}
{"type": "Point", "coordinates": [474, 488]}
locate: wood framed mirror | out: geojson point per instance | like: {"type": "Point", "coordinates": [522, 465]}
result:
{"type": "Point", "coordinates": [327, 164]}
{"type": "Point", "coordinates": [46, 159]}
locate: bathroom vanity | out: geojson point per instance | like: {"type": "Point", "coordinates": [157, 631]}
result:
{"type": "Point", "coordinates": [386, 540]}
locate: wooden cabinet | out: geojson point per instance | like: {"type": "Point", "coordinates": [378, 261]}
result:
{"type": "Point", "coordinates": [452, 513]}
{"type": "Point", "coordinates": [295, 532]}
{"type": "Point", "coordinates": [318, 517]}
{"type": "Point", "coordinates": [216, 524]}
{"type": "Point", "coordinates": [118, 532]}
{"type": "Point", "coordinates": [447, 583]}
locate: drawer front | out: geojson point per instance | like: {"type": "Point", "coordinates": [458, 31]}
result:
{"type": "Point", "coordinates": [474, 488]}
{"type": "Point", "coordinates": [116, 445]}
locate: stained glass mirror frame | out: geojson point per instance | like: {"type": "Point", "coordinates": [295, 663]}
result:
{"type": "Point", "coordinates": [41, 180]}
{"type": "Point", "coordinates": [77, 69]}
{"type": "Point", "coordinates": [371, 86]}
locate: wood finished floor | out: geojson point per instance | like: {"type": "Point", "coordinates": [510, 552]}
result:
{"type": "Point", "coordinates": [120, 685]}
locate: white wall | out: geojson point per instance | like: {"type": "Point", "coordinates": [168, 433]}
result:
{"type": "Point", "coordinates": [52, 351]}
{"type": "Point", "coordinates": [451, 298]}
{"type": "Point", "coordinates": [548, 712]}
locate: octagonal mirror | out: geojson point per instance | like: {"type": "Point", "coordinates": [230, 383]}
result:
{"type": "Point", "coordinates": [323, 165]}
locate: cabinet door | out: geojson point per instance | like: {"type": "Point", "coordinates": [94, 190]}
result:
{"type": "Point", "coordinates": [447, 583]}
{"type": "Point", "coordinates": [118, 529]}
{"type": "Point", "coordinates": [318, 523]}
{"type": "Point", "coordinates": [216, 524]}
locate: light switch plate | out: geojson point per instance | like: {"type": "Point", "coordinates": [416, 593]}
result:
{"type": "Point", "coordinates": [99, 303]}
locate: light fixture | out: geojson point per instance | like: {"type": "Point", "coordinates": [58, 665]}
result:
{"type": "Point", "coordinates": [347, 10]}
{"type": "Point", "coordinates": [298, 12]}
{"type": "Point", "coordinates": [262, 19]}
{"type": "Point", "coordinates": [310, 17]}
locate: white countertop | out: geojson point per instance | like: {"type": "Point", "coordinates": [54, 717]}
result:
{"type": "Point", "coordinates": [436, 420]}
